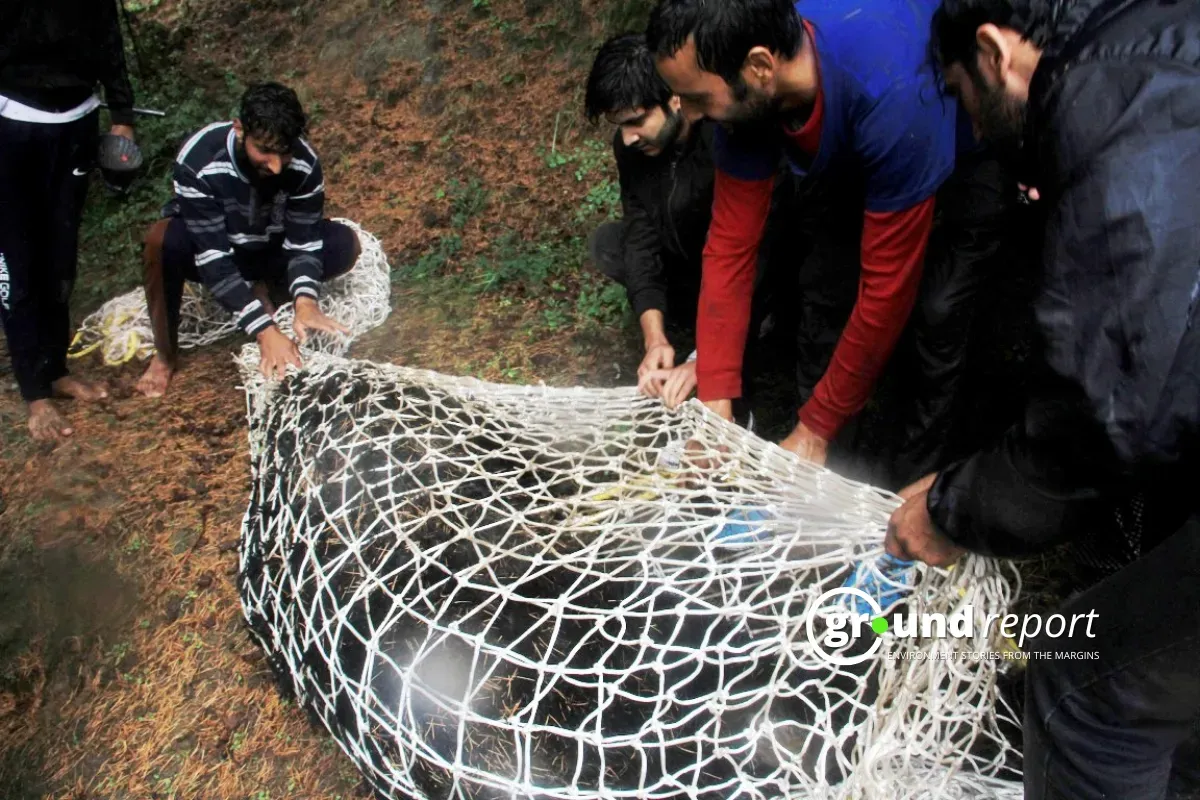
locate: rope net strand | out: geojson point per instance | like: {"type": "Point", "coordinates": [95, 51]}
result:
{"type": "Point", "coordinates": [489, 591]}
{"type": "Point", "coordinates": [120, 329]}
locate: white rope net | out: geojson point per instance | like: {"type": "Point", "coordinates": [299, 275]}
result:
{"type": "Point", "coordinates": [489, 591]}
{"type": "Point", "coordinates": [120, 329]}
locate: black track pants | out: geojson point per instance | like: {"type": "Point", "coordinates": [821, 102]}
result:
{"type": "Point", "coordinates": [43, 184]}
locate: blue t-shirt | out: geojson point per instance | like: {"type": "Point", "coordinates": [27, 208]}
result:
{"type": "Point", "coordinates": [885, 122]}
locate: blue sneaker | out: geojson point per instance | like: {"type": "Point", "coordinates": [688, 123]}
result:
{"type": "Point", "coordinates": [888, 581]}
{"type": "Point", "coordinates": [742, 527]}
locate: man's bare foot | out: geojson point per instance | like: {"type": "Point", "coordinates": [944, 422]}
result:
{"type": "Point", "coordinates": [157, 378]}
{"type": "Point", "coordinates": [76, 389]}
{"type": "Point", "coordinates": [46, 424]}
{"type": "Point", "coordinates": [263, 293]}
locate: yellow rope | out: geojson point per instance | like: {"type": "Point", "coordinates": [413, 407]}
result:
{"type": "Point", "coordinates": [108, 329]}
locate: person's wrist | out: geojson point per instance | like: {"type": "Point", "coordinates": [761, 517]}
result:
{"type": "Point", "coordinates": [722, 406]}
{"type": "Point", "coordinates": [655, 341]}
{"type": "Point", "coordinates": [305, 302]}
{"type": "Point", "coordinates": [266, 333]}
{"type": "Point", "coordinates": [654, 335]}
{"type": "Point", "coordinates": [654, 332]}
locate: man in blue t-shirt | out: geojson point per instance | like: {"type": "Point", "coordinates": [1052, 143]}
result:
{"type": "Point", "coordinates": [845, 96]}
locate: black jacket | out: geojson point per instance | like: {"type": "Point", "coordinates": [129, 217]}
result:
{"type": "Point", "coordinates": [54, 52]}
{"type": "Point", "coordinates": [1114, 132]}
{"type": "Point", "coordinates": [667, 205]}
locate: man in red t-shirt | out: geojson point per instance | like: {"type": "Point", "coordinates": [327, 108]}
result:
{"type": "Point", "coordinates": [850, 103]}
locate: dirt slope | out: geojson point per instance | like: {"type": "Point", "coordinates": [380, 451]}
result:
{"type": "Point", "coordinates": [124, 669]}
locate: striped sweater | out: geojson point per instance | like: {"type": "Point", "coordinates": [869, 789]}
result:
{"type": "Point", "coordinates": [228, 220]}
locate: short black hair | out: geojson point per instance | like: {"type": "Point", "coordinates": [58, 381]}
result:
{"type": "Point", "coordinates": [725, 31]}
{"type": "Point", "coordinates": [952, 37]}
{"type": "Point", "coordinates": [624, 77]}
{"type": "Point", "coordinates": [271, 113]}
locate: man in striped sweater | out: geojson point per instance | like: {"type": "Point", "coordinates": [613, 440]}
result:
{"type": "Point", "coordinates": [248, 213]}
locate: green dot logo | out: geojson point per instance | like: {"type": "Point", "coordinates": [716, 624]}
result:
{"type": "Point", "coordinates": [831, 607]}
{"type": "Point", "coordinates": [879, 625]}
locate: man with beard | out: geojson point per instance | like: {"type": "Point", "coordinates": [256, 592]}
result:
{"type": "Point", "coordinates": [665, 167]}
{"type": "Point", "coordinates": [248, 212]}
{"type": "Point", "coordinates": [664, 164]}
{"type": "Point", "coordinates": [846, 97]}
{"type": "Point", "coordinates": [53, 56]}
{"type": "Point", "coordinates": [1104, 96]}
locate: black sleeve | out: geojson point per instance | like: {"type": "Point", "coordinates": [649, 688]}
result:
{"type": "Point", "coordinates": [1118, 306]}
{"type": "Point", "coordinates": [644, 282]}
{"type": "Point", "coordinates": [1039, 485]}
{"type": "Point", "coordinates": [1117, 312]}
{"type": "Point", "coordinates": [115, 78]}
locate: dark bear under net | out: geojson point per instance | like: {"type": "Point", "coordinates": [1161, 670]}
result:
{"type": "Point", "coordinates": [484, 597]}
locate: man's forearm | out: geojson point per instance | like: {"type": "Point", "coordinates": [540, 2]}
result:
{"type": "Point", "coordinates": [740, 210]}
{"type": "Point", "coordinates": [893, 253]}
{"type": "Point", "coordinates": [1039, 484]}
{"type": "Point", "coordinates": [654, 330]}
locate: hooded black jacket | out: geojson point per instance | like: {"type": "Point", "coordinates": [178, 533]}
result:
{"type": "Point", "coordinates": [666, 202]}
{"type": "Point", "coordinates": [54, 52]}
{"type": "Point", "coordinates": [1114, 131]}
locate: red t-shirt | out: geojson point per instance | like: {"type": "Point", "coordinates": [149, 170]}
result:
{"type": "Point", "coordinates": [892, 252]}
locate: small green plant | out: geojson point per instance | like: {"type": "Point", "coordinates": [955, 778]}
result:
{"type": "Point", "coordinates": [514, 262]}
{"type": "Point", "coordinates": [555, 314]}
{"type": "Point", "coordinates": [481, 5]}
{"type": "Point", "coordinates": [118, 651]}
{"type": "Point", "coordinates": [590, 157]}
{"type": "Point", "coordinates": [466, 201]}
{"type": "Point", "coordinates": [605, 304]}
{"type": "Point", "coordinates": [603, 199]}
{"type": "Point", "coordinates": [434, 261]}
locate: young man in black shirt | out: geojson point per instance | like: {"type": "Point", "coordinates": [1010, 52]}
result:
{"type": "Point", "coordinates": [666, 172]}
{"type": "Point", "coordinates": [53, 54]}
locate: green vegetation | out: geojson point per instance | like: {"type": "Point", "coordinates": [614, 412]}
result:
{"type": "Point", "coordinates": [135, 6]}
{"type": "Point", "coordinates": [549, 271]}
{"type": "Point", "coordinates": [620, 16]}
{"type": "Point", "coordinates": [592, 162]}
